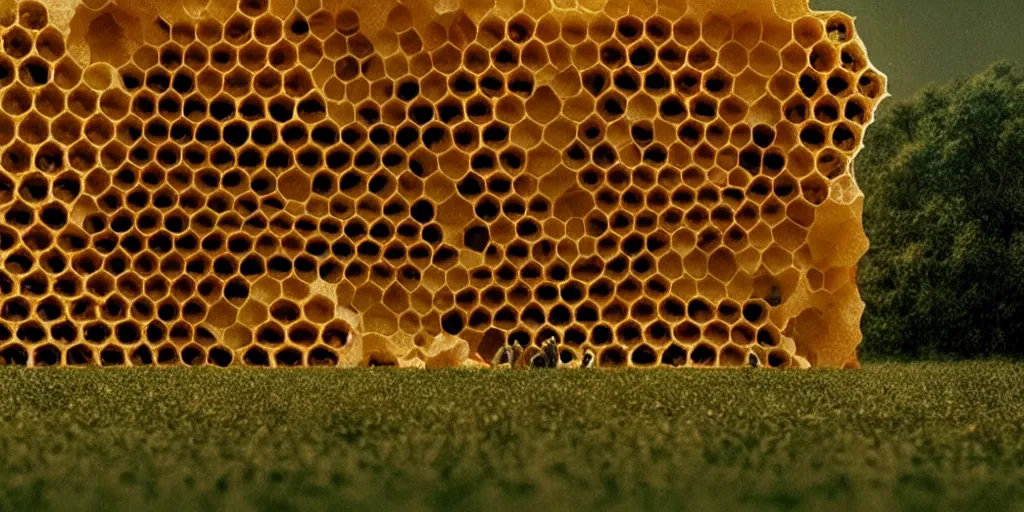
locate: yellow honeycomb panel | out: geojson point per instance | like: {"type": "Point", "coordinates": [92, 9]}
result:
{"type": "Point", "coordinates": [420, 183]}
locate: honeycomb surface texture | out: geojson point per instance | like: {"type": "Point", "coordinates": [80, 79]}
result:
{"type": "Point", "coordinates": [417, 183]}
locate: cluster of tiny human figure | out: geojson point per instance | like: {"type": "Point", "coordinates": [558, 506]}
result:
{"type": "Point", "coordinates": [511, 356]}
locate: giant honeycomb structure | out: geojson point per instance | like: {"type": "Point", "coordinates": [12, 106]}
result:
{"type": "Point", "coordinates": [419, 183]}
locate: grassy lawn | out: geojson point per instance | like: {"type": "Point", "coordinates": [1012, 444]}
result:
{"type": "Point", "coordinates": [910, 436]}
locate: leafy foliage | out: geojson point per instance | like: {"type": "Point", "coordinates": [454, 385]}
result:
{"type": "Point", "coordinates": [943, 176]}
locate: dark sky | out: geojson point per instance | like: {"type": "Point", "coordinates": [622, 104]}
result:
{"type": "Point", "coordinates": [916, 42]}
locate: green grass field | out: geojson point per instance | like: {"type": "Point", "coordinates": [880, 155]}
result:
{"type": "Point", "coordinates": [909, 436]}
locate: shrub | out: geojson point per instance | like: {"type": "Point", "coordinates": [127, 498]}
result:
{"type": "Point", "coordinates": [943, 176]}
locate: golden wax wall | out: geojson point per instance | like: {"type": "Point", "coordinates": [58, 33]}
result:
{"type": "Point", "coordinates": [418, 183]}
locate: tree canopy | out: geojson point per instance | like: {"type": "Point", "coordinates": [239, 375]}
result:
{"type": "Point", "coordinates": [943, 176]}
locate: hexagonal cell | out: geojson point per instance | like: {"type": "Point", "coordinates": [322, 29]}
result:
{"type": "Point", "coordinates": [808, 30]}
{"type": "Point", "coordinates": [778, 358]}
{"type": "Point", "coordinates": [46, 355]}
{"type": "Point", "coordinates": [871, 84]}
{"type": "Point", "coordinates": [167, 355]}
{"type": "Point", "coordinates": [77, 355]}
{"type": "Point", "coordinates": [193, 355]}
{"type": "Point", "coordinates": [17, 42]}
{"type": "Point", "coordinates": [17, 100]}
{"type": "Point", "coordinates": [303, 333]}
{"type": "Point", "coordinates": [13, 354]}
{"type": "Point", "coordinates": [34, 72]}
{"type": "Point", "coordinates": [612, 357]}
{"type": "Point", "coordinates": [852, 57]}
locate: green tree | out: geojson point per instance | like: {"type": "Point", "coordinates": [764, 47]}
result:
{"type": "Point", "coordinates": [943, 176]}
